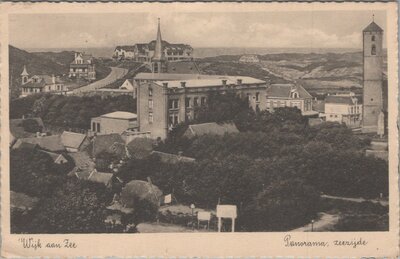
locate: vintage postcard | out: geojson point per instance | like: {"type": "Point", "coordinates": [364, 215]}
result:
{"type": "Point", "coordinates": [199, 130]}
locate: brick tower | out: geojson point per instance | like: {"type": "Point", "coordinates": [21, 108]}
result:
{"type": "Point", "coordinates": [372, 92]}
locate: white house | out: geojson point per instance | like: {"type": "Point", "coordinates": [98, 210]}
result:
{"type": "Point", "coordinates": [130, 86]}
{"type": "Point", "coordinates": [343, 108]}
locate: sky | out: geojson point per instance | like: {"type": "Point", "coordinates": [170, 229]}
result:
{"type": "Point", "coordinates": [308, 29]}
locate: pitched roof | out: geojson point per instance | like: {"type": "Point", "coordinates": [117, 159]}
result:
{"type": "Point", "coordinates": [211, 128]}
{"type": "Point", "coordinates": [183, 67]}
{"type": "Point", "coordinates": [50, 143]}
{"type": "Point", "coordinates": [172, 158]}
{"type": "Point", "coordinates": [18, 131]}
{"type": "Point", "coordinates": [333, 99]}
{"type": "Point", "coordinates": [99, 177]}
{"type": "Point", "coordinates": [53, 156]}
{"type": "Point", "coordinates": [373, 27]}
{"type": "Point", "coordinates": [158, 48]}
{"type": "Point", "coordinates": [120, 115]}
{"type": "Point", "coordinates": [169, 76]}
{"type": "Point", "coordinates": [72, 139]}
{"type": "Point", "coordinates": [24, 72]}
{"type": "Point", "coordinates": [284, 90]}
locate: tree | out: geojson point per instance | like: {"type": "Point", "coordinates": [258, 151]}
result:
{"type": "Point", "coordinates": [31, 125]}
{"type": "Point", "coordinates": [281, 206]}
{"type": "Point", "coordinates": [33, 172]}
{"type": "Point", "coordinates": [76, 207]}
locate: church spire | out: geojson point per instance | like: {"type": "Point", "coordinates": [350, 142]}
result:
{"type": "Point", "coordinates": [158, 50]}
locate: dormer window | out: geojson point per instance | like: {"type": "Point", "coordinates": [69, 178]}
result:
{"type": "Point", "coordinates": [295, 95]}
{"type": "Point", "coordinates": [373, 50]}
{"type": "Point", "coordinates": [150, 91]}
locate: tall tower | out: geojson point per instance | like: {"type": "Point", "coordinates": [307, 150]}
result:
{"type": "Point", "coordinates": [158, 64]}
{"type": "Point", "coordinates": [24, 76]}
{"type": "Point", "coordinates": [372, 92]}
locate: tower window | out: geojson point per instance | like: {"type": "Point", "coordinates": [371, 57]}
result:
{"type": "Point", "coordinates": [373, 38]}
{"type": "Point", "coordinates": [373, 50]}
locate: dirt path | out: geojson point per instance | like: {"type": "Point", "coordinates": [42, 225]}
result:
{"type": "Point", "coordinates": [115, 74]}
{"type": "Point", "coordinates": [324, 223]}
{"type": "Point", "coordinates": [359, 200]}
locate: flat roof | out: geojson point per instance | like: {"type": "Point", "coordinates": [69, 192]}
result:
{"type": "Point", "coordinates": [120, 115]}
{"type": "Point", "coordinates": [216, 81]}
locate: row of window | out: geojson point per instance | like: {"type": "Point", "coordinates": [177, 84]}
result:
{"type": "Point", "coordinates": [197, 101]}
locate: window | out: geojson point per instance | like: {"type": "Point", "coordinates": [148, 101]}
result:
{"type": "Point", "coordinates": [173, 119]}
{"type": "Point", "coordinates": [373, 38]}
{"type": "Point", "coordinates": [150, 117]}
{"type": "Point", "coordinates": [196, 101]}
{"type": "Point", "coordinates": [187, 102]}
{"type": "Point", "coordinates": [98, 127]}
{"type": "Point", "coordinates": [173, 104]}
{"type": "Point", "coordinates": [373, 50]}
{"type": "Point", "coordinates": [295, 95]}
{"type": "Point", "coordinates": [150, 91]}
{"type": "Point", "coordinates": [150, 104]}
{"type": "Point", "coordinates": [257, 97]}
{"type": "Point", "coordinates": [93, 126]}
{"type": "Point", "coordinates": [203, 101]}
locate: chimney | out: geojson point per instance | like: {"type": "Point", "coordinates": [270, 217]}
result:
{"type": "Point", "coordinates": [239, 81]}
{"type": "Point", "coordinates": [183, 84]}
{"type": "Point", "coordinates": [23, 117]}
{"type": "Point", "coordinates": [223, 81]}
{"type": "Point", "coordinates": [38, 134]}
{"type": "Point", "coordinates": [53, 79]}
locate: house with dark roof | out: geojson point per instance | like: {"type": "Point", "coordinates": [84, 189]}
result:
{"type": "Point", "coordinates": [73, 141]}
{"type": "Point", "coordinates": [83, 66]}
{"type": "Point", "coordinates": [41, 84]}
{"type": "Point", "coordinates": [210, 128]}
{"type": "Point", "coordinates": [48, 143]}
{"type": "Point", "coordinates": [289, 95]}
{"type": "Point", "coordinates": [343, 108]}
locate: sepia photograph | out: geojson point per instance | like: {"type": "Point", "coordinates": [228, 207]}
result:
{"type": "Point", "coordinates": [200, 122]}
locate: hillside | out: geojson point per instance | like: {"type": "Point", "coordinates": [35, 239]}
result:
{"type": "Point", "coordinates": [318, 72]}
{"type": "Point", "coordinates": [43, 63]}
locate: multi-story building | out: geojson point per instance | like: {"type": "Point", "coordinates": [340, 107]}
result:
{"type": "Point", "coordinates": [289, 95]}
{"type": "Point", "coordinates": [40, 84]}
{"type": "Point", "coordinates": [144, 52]}
{"type": "Point", "coordinates": [82, 67]}
{"type": "Point", "coordinates": [163, 104]}
{"type": "Point", "coordinates": [343, 109]}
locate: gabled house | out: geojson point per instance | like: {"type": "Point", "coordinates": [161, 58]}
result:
{"type": "Point", "coordinates": [128, 85]}
{"type": "Point", "coordinates": [343, 108]}
{"type": "Point", "coordinates": [41, 84]}
{"type": "Point", "coordinates": [289, 95]}
{"type": "Point", "coordinates": [82, 67]}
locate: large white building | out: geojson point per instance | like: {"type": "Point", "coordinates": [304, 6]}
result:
{"type": "Point", "coordinates": [343, 108]}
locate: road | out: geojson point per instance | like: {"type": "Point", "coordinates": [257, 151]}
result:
{"type": "Point", "coordinates": [115, 74]}
{"type": "Point", "coordinates": [325, 222]}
